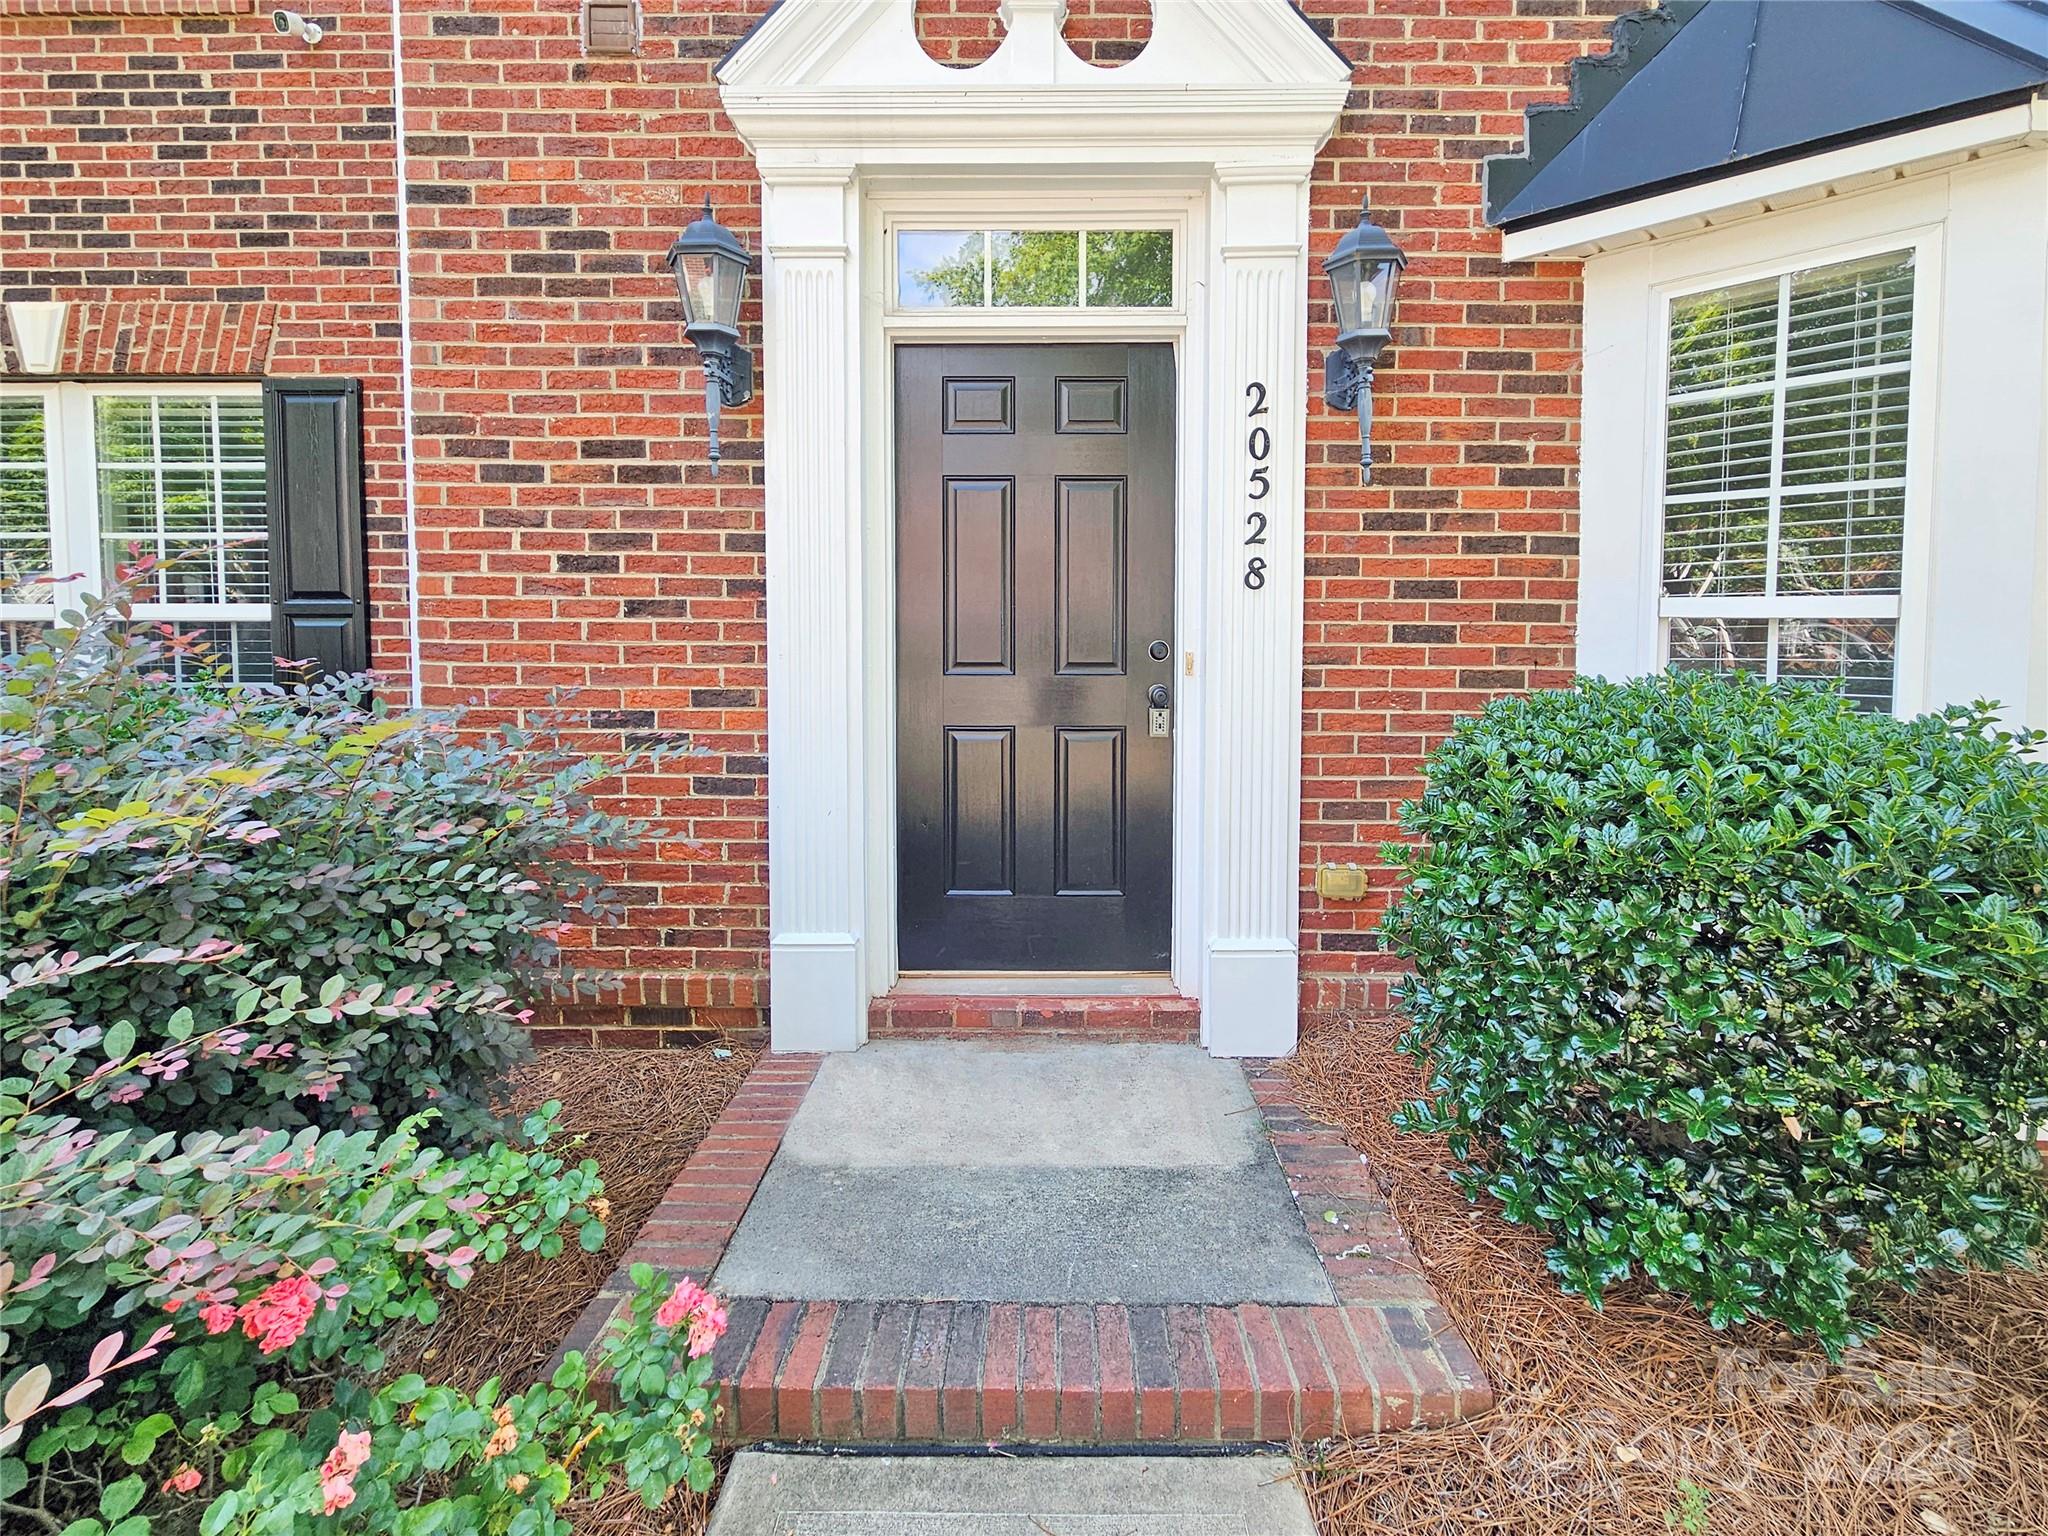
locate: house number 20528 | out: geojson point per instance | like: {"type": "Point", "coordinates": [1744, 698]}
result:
{"type": "Point", "coordinates": [1259, 444]}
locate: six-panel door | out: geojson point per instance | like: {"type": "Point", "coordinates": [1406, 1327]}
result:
{"type": "Point", "coordinates": [1034, 586]}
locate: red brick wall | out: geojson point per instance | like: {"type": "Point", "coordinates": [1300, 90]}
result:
{"type": "Point", "coordinates": [1452, 577]}
{"type": "Point", "coordinates": [202, 160]}
{"type": "Point", "coordinates": [570, 533]}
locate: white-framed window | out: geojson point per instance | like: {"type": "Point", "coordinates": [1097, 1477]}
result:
{"type": "Point", "coordinates": [96, 477]}
{"type": "Point", "coordinates": [1787, 412]}
{"type": "Point", "coordinates": [941, 267]}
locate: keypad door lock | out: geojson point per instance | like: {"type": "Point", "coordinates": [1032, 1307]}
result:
{"type": "Point", "coordinates": [1161, 703]}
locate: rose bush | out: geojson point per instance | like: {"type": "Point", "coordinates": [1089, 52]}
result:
{"type": "Point", "coordinates": [411, 1457]}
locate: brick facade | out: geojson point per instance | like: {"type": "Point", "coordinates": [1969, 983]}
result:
{"type": "Point", "coordinates": [569, 532]}
{"type": "Point", "coordinates": [194, 176]}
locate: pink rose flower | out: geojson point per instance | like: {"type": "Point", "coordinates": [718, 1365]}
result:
{"type": "Point", "coordinates": [219, 1317]}
{"type": "Point", "coordinates": [184, 1480]}
{"type": "Point", "coordinates": [338, 1471]}
{"type": "Point", "coordinates": [278, 1315]}
{"type": "Point", "coordinates": [685, 1299]}
{"type": "Point", "coordinates": [707, 1327]}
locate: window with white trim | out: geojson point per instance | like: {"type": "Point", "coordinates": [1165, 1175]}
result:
{"type": "Point", "coordinates": [97, 479]}
{"type": "Point", "coordinates": [1787, 403]}
{"type": "Point", "coordinates": [976, 268]}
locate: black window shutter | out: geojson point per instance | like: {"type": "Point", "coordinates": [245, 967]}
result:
{"type": "Point", "coordinates": [313, 436]}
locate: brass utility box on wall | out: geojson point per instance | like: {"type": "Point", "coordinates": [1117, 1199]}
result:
{"type": "Point", "coordinates": [1340, 882]}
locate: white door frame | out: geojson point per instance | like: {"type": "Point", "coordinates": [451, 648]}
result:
{"type": "Point", "coordinates": [1217, 122]}
{"type": "Point", "coordinates": [1027, 202]}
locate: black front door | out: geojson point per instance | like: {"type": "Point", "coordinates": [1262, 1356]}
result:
{"type": "Point", "coordinates": [1034, 634]}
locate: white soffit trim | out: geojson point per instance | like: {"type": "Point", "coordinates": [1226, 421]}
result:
{"type": "Point", "coordinates": [1730, 199]}
{"type": "Point", "coordinates": [844, 81]}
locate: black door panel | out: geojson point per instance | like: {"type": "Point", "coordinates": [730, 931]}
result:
{"type": "Point", "coordinates": [1034, 582]}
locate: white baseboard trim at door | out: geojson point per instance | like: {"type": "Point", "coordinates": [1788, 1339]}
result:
{"type": "Point", "coordinates": [816, 999]}
{"type": "Point", "coordinates": [1251, 1004]}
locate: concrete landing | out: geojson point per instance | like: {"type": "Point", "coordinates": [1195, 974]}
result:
{"type": "Point", "coordinates": [781, 1495]}
{"type": "Point", "coordinates": [1070, 1172]}
{"type": "Point", "coordinates": [942, 1170]}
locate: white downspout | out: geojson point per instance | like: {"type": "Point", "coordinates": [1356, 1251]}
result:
{"type": "Point", "coordinates": [405, 412]}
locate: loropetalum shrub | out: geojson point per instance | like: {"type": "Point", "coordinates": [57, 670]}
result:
{"type": "Point", "coordinates": [421, 872]}
{"type": "Point", "coordinates": [1738, 988]}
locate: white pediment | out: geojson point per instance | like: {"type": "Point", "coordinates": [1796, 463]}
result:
{"type": "Point", "coordinates": [1212, 68]}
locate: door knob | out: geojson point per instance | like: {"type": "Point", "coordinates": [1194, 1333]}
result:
{"type": "Point", "coordinates": [1157, 696]}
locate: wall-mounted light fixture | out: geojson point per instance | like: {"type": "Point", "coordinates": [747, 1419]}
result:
{"type": "Point", "coordinates": [711, 266]}
{"type": "Point", "coordinates": [1363, 270]}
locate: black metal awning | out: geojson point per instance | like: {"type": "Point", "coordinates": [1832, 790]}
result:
{"type": "Point", "coordinates": [1702, 89]}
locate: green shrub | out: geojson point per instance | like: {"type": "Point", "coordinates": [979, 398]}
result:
{"type": "Point", "coordinates": [1736, 987]}
{"type": "Point", "coordinates": [420, 872]}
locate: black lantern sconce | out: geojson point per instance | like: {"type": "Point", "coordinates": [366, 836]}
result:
{"type": "Point", "coordinates": [710, 266]}
{"type": "Point", "coordinates": [1363, 270]}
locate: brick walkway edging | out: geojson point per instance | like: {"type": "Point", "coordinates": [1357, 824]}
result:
{"type": "Point", "coordinates": [1386, 1357]}
{"type": "Point", "coordinates": [687, 1232]}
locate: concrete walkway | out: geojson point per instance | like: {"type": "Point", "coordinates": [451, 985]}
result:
{"type": "Point", "coordinates": [1061, 1172]}
{"type": "Point", "coordinates": [781, 1495]}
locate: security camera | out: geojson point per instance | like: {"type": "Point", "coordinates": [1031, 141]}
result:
{"type": "Point", "coordinates": [292, 24]}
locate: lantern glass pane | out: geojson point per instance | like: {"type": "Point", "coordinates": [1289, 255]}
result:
{"type": "Point", "coordinates": [1344, 286]}
{"type": "Point", "coordinates": [729, 282]}
{"type": "Point", "coordinates": [1378, 295]}
{"type": "Point", "coordinates": [696, 277]}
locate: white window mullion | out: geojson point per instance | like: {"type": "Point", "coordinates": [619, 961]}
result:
{"type": "Point", "coordinates": [1774, 489]}
{"type": "Point", "coordinates": [74, 507]}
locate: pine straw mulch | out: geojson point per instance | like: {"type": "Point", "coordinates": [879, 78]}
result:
{"type": "Point", "coordinates": [640, 1114]}
{"type": "Point", "coordinates": [1642, 1418]}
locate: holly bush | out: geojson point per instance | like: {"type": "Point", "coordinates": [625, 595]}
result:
{"type": "Point", "coordinates": [1737, 988]}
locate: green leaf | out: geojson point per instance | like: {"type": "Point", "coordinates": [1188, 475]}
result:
{"type": "Point", "coordinates": [141, 1442]}
{"type": "Point", "coordinates": [220, 1512]}
{"type": "Point", "coordinates": [120, 1040]}
{"type": "Point", "coordinates": [117, 1499]}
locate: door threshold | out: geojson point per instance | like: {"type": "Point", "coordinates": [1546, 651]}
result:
{"type": "Point", "coordinates": [1034, 984]}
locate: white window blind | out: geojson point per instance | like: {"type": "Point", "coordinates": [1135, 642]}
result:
{"type": "Point", "coordinates": [1784, 499]}
{"type": "Point", "coordinates": [94, 479]}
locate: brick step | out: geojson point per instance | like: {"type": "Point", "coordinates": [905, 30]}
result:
{"type": "Point", "coordinates": [912, 1015]}
{"type": "Point", "coordinates": [1088, 1374]}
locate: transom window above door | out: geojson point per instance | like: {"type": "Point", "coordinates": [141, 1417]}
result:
{"type": "Point", "coordinates": [1034, 269]}
{"type": "Point", "coordinates": [1786, 419]}
{"type": "Point", "coordinates": [94, 479]}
